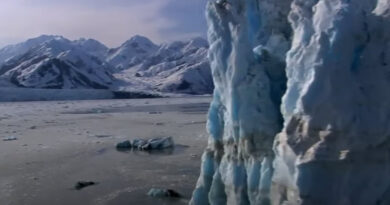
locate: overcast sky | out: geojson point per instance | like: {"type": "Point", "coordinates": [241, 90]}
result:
{"type": "Point", "coordinates": [109, 21]}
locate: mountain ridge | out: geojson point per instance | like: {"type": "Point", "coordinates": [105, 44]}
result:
{"type": "Point", "coordinates": [138, 65]}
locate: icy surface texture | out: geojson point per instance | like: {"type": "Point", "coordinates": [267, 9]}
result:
{"type": "Point", "coordinates": [333, 120]}
{"type": "Point", "coordinates": [248, 42]}
{"type": "Point", "coordinates": [334, 148]}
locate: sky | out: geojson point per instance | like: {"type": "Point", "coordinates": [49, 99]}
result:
{"type": "Point", "coordinates": [110, 21]}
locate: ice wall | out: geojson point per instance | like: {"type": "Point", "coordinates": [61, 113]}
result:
{"type": "Point", "coordinates": [334, 148]}
{"type": "Point", "coordinates": [248, 43]}
{"type": "Point", "coordinates": [333, 121]}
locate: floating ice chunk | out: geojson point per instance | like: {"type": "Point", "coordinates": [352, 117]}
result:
{"type": "Point", "coordinates": [151, 144]}
{"type": "Point", "coordinates": [139, 143]}
{"type": "Point", "coordinates": [10, 138]}
{"type": "Point", "coordinates": [161, 143]}
{"type": "Point", "coordinates": [160, 193]}
{"type": "Point", "coordinates": [124, 145]}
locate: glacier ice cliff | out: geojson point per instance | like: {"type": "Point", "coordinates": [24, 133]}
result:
{"type": "Point", "coordinates": [248, 41]}
{"type": "Point", "coordinates": [334, 147]}
{"type": "Point", "coordinates": [300, 113]}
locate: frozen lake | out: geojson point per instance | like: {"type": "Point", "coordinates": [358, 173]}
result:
{"type": "Point", "coordinates": [62, 142]}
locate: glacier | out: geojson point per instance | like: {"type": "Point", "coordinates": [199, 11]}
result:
{"type": "Point", "coordinates": [248, 42]}
{"type": "Point", "coordinates": [300, 112]}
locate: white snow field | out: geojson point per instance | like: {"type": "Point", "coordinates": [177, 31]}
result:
{"type": "Point", "coordinates": [59, 143]}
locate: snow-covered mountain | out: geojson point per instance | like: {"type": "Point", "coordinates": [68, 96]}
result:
{"type": "Point", "coordinates": [131, 53]}
{"type": "Point", "coordinates": [174, 67]}
{"type": "Point", "coordinates": [136, 65]}
{"type": "Point", "coordinates": [57, 63]}
{"type": "Point", "coordinates": [20, 48]}
{"type": "Point", "coordinates": [92, 47]}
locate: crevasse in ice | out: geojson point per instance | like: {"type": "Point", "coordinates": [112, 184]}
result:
{"type": "Point", "coordinates": [332, 124]}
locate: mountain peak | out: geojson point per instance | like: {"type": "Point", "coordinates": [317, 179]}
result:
{"type": "Point", "coordinates": [138, 40]}
{"type": "Point", "coordinates": [87, 41]}
{"type": "Point", "coordinates": [43, 38]}
{"type": "Point", "coordinates": [92, 46]}
{"type": "Point", "coordinates": [199, 42]}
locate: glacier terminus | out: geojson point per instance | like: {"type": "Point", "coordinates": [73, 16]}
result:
{"type": "Point", "coordinates": [301, 111]}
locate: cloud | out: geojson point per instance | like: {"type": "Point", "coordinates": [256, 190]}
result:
{"type": "Point", "coordinates": [112, 23]}
{"type": "Point", "coordinates": [188, 17]}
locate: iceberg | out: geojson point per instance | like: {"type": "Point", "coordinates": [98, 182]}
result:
{"type": "Point", "coordinates": [300, 112]}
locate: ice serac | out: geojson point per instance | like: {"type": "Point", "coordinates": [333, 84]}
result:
{"type": "Point", "coordinates": [334, 148]}
{"type": "Point", "coordinates": [332, 144]}
{"type": "Point", "coordinates": [248, 41]}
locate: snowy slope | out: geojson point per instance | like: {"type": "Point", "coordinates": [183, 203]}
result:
{"type": "Point", "coordinates": [92, 47]}
{"type": "Point", "coordinates": [138, 65]}
{"type": "Point", "coordinates": [57, 64]}
{"type": "Point", "coordinates": [131, 53]}
{"type": "Point", "coordinates": [20, 48]}
{"type": "Point", "coordinates": [180, 67]}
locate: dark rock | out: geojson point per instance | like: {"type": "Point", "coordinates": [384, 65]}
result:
{"type": "Point", "coordinates": [83, 184]}
{"type": "Point", "coordinates": [124, 145]}
{"type": "Point", "coordinates": [164, 193]}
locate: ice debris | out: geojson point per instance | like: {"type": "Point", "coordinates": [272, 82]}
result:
{"type": "Point", "coordinates": [124, 145]}
{"type": "Point", "coordinates": [10, 138]}
{"type": "Point", "coordinates": [151, 144]}
{"type": "Point", "coordinates": [161, 193]}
